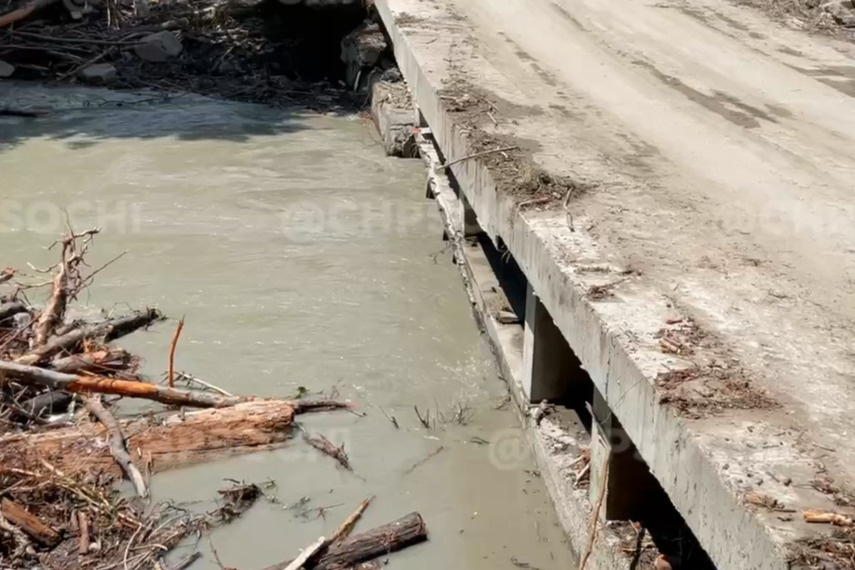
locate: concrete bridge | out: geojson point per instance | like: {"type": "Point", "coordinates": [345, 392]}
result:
{"type": "Point", "coordinates": [670, 186]}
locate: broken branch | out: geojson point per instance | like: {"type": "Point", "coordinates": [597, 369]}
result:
{"type": "Point", "coordinates": [117, 444]}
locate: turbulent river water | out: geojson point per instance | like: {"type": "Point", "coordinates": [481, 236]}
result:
{"type": "Point", "coordinates": [300, 256]}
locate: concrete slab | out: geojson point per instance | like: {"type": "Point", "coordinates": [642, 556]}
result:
{"type": "Point", "coordinates": [705, 277]}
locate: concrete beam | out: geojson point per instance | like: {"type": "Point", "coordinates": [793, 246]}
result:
{"type": "Point", "coordinates": [549, 367]}
{"type": "Point", "coordinates": [704, 465]}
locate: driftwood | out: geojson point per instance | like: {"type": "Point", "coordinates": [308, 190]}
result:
{"type": "Point", "coordinates": [327, 447]}
{"type": "Point", "coordinates": [117, 444]}
{"type": "Point", "coordinates": [108, 330]}
{"type": "Point", "coordinates": [29, 523]}
{"type": "Point", "coordinates": [81, 384]}
{"type": "Point", "coordinates": [823, 517]}
{"type": "Point", "coordinates": [344, 530]}
{"type": "Point", "coordinates": [177, 440]}
{"type": "Point", "coordinates": [368, 545]}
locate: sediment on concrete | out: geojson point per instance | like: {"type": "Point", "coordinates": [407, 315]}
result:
{"type": "Point", "coordinates": [612, 318]}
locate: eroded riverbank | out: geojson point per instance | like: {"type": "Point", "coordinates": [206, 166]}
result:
{"type": "Point", "coordinates": [300, 256]}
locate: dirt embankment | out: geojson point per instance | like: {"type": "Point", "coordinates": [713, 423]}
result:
{"type": "Point", "coordinates": [835, 17]}
{"type": "Point", "coordinates": [258, 51]}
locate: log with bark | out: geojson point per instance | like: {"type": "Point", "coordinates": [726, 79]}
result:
{"type": "Point", "coordinates": [368, 545]}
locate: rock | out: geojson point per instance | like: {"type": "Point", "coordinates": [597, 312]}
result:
{"type": "Point", "coordinates": [159, 46]}
{"type": "Point", "coordinates": [843, 12]}
{"type": "Point", "coordinates": [141, 8]}
{"type": "Point", "coordinates": [97, 74]}
{"type": "Point", "coordinates": [506, 317]}
{"type": "Point", "coordinates": [361, 50]}
{"type": "Point", "coordinates": [6, 69]}
{"type": "Point", "coordinates": [392, 110]}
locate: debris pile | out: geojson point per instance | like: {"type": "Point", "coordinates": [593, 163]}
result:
{"type": "Point", "coordinates": [259, 51]}
{"type": "Point", "coordinates": [63, 447]}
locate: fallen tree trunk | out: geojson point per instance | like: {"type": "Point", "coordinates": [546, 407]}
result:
{"type": "Point", "coordinates": [108, 330]}
{"type": "Point", "coordinates": [175, 441]}
{"type": "Point", "coordinates": [368, 545]}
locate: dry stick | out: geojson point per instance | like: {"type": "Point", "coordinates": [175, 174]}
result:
{"type": "Point", "coordinates": [193, 380]}
{"type": "Point", "coordinates": [55, 309]}
{"type": "Point", "coordinates": [117, 444]}
{"type": "Point", "coordinates": [476, 155]}
{"type": "Point", "coordinates": [595, 517]}
{"type": "Point", "coordinates": [83, 541]}
{"type": "Point", "coordinates": [87, 41]}
{"type": "Point", "coordinates": [29, 523]}
{"type": "Point", "coordinates": [420, 462]}
{"type": "Point", "coordinates": [86, 64]}
{"type": "Point", "coordinates": [172, 346]}
{"type": "Point", "coordinates": [344, 530]}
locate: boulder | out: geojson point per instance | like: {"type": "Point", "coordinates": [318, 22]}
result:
{"type": "Point", "coordinates": [361, 50]}
{"type": "Point", "coordinates": [159, 46]}
{"type": "Point", "coordinates": [97, 74]}
{"type": "Point", "coordinates": [6, 69]}
{"type": "Point", "coordinates": [843, 12]}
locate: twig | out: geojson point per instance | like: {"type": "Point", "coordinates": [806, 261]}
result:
{"type": "Point", "coordinates": [193, 380]}
{"type": "Point", "coordinates": [327, 447]}
{"type": "Point", "coordinates": [476, 155]}
{"type": "Point", "coordinates": [344, 530]}
{"type": "Point", "coordinates": [391, 419]}
{"type": "Point", "coordinates": [172, 346]}
{"type": "Point", "coordinates": [425, 421]}
{"type": "Point", "coordinates": [424, 460]}
{"type": "Point", "coordinates": [595, 517]}
{"type": "Point", "coordinates": [117, 444]}
{"type": "Point", "coordinates": [87, 41]}
{"type": "Point", "coordinates": [83, 525]}
{"type": "Point", "coordinates": [86, 63]}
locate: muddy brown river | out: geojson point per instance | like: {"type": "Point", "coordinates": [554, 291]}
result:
{"type": "Point", "coordinates": [300, 256]}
